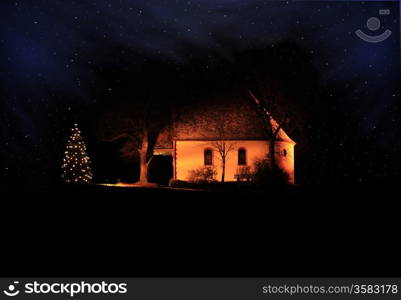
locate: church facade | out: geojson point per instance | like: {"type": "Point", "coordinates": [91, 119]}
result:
{"type": "Point", "coordinates": [234, 131]}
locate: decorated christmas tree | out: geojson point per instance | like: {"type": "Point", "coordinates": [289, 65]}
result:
{"type": "Point", "coordinates": [76, 162]}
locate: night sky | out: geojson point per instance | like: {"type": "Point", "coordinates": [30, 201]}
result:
{"type": "Point", "coordinates": [61, 60]}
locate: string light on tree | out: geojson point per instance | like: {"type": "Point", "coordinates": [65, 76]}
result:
{"type": "Point", "coordinates": [76, 163]}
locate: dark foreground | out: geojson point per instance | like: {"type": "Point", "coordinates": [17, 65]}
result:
{"type": "Point", "coordinates": [103, 231]}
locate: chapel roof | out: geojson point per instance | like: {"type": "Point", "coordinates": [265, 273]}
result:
{"type": "Point", "coordinates": [231, 118]}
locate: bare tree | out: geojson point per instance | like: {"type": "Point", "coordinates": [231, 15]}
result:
{"type": "Point", "coordinates": [272, 127]}
{"type": "Point", "coordinates": [280, 88]}
{"type": "Point", "coordinates": [223, 148]}
{"type": "Point", "coordinates": [138, 125]}
{"type": "Point", "coordinates": [272, 102]}
{"type": "Point", "coordinates": [221, 128]}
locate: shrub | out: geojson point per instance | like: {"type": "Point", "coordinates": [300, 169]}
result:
{"type": "Point", "coordinates": [202, 175]}
{"type": "Point", "coordinates": [267, 176]}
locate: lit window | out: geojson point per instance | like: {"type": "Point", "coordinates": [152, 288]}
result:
{"type": "Point", "coordinates": [241, 157]}
{"type": "Point", "coordinates": [208, 157]}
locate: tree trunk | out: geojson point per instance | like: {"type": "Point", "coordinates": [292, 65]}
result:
{"type": "Point", "coordinates": [272, 153]}
{"type": "Point", "coordinates": [143, 178]}
{"type": "Point", "coordinates": [223, 171]}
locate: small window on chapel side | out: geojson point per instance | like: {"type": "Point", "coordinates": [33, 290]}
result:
{"type": "Point", "coordinates": [208, 157]}
{"type": "Point", "coordinates": [284, 152]}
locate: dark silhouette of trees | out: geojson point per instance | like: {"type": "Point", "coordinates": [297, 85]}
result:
{"type": "Point", "coordinates": [142, 107]}
{"type": "Point", "coordinates": [221, 129]}
{"type": "Point", "coordinates": [138, 124]}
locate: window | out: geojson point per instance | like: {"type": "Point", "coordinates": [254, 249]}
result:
{"type": "Point", "coordinates": [284, 152]}
{"type": "Point", "coordinates": [241, 157]}
{"type": "Point", "coordinates": [208, 157]}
